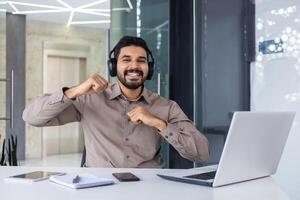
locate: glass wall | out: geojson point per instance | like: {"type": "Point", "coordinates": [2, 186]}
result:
{"type": "Point", "coordinates": [220, 69]}
{"type": "Point", "coordinates": [275, 77]}
{"type": "Point", "coordinates": [149, 20]}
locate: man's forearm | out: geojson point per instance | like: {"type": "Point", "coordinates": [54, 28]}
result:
{"type": "Point", "coordinates": [71, 93]}
{"type": "Point", "coordinates": [160, 125]}
{"type": "Point", "coordinates": [50, 110]}
{"type": "Point", "coordinates": [187, 140]}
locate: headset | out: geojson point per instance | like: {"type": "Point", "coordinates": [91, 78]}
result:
{"type": "Point", "coordinates": [112, 64]}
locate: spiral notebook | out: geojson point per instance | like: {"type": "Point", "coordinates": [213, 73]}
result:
{"type": "Point", "coordinates": [84, 180]}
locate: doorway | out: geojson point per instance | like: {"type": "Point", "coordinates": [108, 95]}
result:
{"type": "Point", "coordinates": [62, 71]}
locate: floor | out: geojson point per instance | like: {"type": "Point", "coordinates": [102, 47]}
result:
{"type": "Point", "coordinates": [63, 160]}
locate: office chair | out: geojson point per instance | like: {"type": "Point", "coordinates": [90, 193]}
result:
{"type": "Point", "coordinates": [82, 164]}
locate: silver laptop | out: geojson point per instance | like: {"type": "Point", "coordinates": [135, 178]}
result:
{"type": "Point", "coordinates": [253, 148]}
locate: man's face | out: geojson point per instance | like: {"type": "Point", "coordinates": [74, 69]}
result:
{"type": "Point", "coordinates": [132, 66]}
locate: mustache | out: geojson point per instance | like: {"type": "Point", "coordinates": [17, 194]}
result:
{"type": "Point", "coordinates": [139, 72]}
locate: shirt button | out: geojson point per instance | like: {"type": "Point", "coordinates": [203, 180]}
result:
{"type": "Point", "coordinates": [166, 137]}
{"type": "Point", "coordinates": [127, 157]}
{"type": "Point", "coordinates": [129, 119]}
{"type": "Point", "coordinates": [126, 139]}
{"type": "Point", "coordinates": [170, 134]}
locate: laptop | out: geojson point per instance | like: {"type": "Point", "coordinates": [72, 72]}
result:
{"type": "Point", "coordinates": [252, 150]}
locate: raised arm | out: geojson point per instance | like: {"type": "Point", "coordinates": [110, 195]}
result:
{"type": "Point", "coordinates": [52, 110]}
{"type": "Point", "coordinates": [64, 106]}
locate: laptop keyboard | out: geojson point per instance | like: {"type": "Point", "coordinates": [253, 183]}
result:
{"type": "Point", "coordinates": [203, 176]}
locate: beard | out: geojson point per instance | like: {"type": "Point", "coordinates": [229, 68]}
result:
{"type": "Point", "coordinates": [131, 85]}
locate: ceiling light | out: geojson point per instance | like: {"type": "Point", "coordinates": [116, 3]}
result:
{"type": "Point", "coordinates": [98, 10]}
{"type": "Point", "coordinates": [91, 4]}
{"type": "Point", "coordinates": [70, 18]}
{"type": "Point", "coordinates": [159, 27]}
{"type": "Point", "coordinates": [65, 7]}
{"type": "Point", "coordinates": [93, 13]}
{"type": "Point", "coordinates": [34, 5]}
{"type": "Point", "coordinates": [121, 9]}
{"type": "Point", "coordinates": [13, 6]}
{"type": "Point", "coordinates": [129, 4]}
{"type": "Point", "coordinates": [38, 11]}
{"type": "Point", "coordinates": [64, 3]}
{"type": "Point", "coordinates": [92, 22]}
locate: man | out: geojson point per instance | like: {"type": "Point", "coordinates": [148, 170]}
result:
{"type": "Point", "coordinates": [124, 124]}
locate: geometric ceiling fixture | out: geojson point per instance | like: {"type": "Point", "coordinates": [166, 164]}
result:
{"type": "Point", "coordinates": [90, 9]}
{"type": "Point", "coordinates": [1, 7]}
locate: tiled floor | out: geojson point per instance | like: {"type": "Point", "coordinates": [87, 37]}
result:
{"type": "Point", "coordinates": [63, 160]}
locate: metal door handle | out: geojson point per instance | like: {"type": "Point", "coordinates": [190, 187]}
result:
{"type": "Point", "coordinates": [158, 83]}
{"type": "Point", "coordinates": [12, 101]}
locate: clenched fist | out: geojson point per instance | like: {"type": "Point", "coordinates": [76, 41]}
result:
{"type": "Point", "coordinates": [94, 84]}
{"type": "Point", "coordinates": [140, 115]}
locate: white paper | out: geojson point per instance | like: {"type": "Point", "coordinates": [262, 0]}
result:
{"type": "Point", "coordinates": [86, 180]}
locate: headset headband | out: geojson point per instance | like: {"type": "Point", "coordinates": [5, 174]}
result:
{"type": "Point", "coordinates": [147, 50]}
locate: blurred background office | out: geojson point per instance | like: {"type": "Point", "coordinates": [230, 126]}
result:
{"type": "Point", "coordinates": [213, 57]}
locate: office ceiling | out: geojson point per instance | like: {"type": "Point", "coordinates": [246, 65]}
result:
{"type": "Point", "coordinates": [92, 13]}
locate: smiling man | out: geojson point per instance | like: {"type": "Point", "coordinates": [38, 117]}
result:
{"type": "Point", "coordinates": [124, 123]}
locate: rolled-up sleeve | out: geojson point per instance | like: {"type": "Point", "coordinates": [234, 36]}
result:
{"type": "Point", "coordinates": [52, 110]}
{"type": "Point", "coordinates": [184, 136]}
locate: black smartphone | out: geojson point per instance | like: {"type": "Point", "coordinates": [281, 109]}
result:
{"type": "Point", "coordinates": [126, 176]}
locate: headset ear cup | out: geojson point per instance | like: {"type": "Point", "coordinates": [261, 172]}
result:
{"type": "Point", "coordinates": [112, 67]}
{"type": "Point", "coordinates": [109, 67]}
{"type": "Point", "coordinates": [151, 70]}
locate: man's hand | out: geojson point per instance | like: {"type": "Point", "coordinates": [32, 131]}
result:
{"type": "Point", "coordinates": [141, 115]}
{"type": "Point", "coordinates": [94, 84]}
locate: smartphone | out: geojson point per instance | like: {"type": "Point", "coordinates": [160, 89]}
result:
{"type": "Point", "coordinates": [126, 176]}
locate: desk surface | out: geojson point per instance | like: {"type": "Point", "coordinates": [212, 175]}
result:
{"type": "Point", "coordinates": [150, 187]}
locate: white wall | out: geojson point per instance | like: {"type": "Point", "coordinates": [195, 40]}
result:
{"type": "Point", "coordinates": [2, 75]}
{"type": "Point", "coordinates": [275, 80]}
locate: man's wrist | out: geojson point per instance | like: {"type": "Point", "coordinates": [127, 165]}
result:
{"type": "Point", "coordinates": [71, 93]}
{"type": "Point", "coordinates": [160, 125]}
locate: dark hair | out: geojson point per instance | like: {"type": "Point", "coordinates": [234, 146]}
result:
{"type": "Point", "coordinates": [130, 41]}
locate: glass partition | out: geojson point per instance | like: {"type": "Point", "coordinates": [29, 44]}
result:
{"type": "Point", "coordinates": [220, 68]}
{"type": "Point", "coordinates": [149, 20]}
{"type": "Point", "coordinates": [275, 77]}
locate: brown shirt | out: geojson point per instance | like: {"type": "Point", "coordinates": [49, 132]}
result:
{"type": "Point", "coordinates": [111, 139]}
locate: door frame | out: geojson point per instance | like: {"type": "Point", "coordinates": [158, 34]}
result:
{"type": "Point", "coordinates": [80, 54]}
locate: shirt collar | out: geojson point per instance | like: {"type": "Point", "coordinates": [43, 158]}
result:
{"type": "Point", "coordinates": [116, 91]}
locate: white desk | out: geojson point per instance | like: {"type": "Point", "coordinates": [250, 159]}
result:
{"type": "Point", "coordinates": [150, 187]}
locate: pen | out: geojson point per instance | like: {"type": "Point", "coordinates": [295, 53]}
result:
{"type": "Point", "coordinates": [76, 179]}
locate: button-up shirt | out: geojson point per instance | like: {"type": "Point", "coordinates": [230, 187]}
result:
{"type": "Point", "coordinates": [111, 138]}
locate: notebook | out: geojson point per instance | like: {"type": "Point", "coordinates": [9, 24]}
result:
{"type": "Point", "coordinates": [84, 180]}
